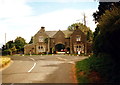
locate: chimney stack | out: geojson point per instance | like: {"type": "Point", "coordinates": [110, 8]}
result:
{"type": "Point", "coordinates": [77, 27]}
{"type": "Point", "coordinates": [42, 29]}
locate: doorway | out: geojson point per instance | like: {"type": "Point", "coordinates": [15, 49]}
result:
{"type": "Point", "coordinates": [59, 47]}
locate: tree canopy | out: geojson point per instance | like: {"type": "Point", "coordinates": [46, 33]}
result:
{"type": "Point", "coordinates": [107, 41]}
{"type": "Point", "coordinates": [86, 30]}
{"type": "Point", "coordinates": [103, 6]}
{"type": "Point", "coordinates": [31, 41]}
{"type": "Point", "coordinates": [19, 43]}
{"type": "Point", "coordinates": [16, 46]}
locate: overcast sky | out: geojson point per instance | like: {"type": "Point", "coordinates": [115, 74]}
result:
{"type": "Point", "coordinates": [25, 17]}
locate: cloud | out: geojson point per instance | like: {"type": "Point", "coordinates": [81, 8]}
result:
{"type": "Point", "coordinates": [14, 8]}
{"type": "Point", "coordinates": [16, 19]}
{"type": "Point", "coordinates": [28, 26]}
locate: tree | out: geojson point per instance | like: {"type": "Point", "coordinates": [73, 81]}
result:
{"type": "Point", "coordinates": [107, 41]}
{"type": "Point", "coordinates": [46, 40]}
{"type": "Point", "coordinates": [89, 36]}
{"type": "Point", "coordinates": [86, 30]}
{"type": "Point", "coordinates": [96, 32]}
{"type": "Point", "coordinates": [103, 6]}
{"type": "Point", "coordinates": [10, 44]}
{"type": "Point", "coordinates": [31, 41]}
{"type": "Point", "coordinates": [8, 48]}
{"type": "Point", "coordinates": [13, 49]}
{"type": "Point", "coordinates": [20, 43]}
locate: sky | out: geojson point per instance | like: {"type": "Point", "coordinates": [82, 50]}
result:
{"type": "Point", "coordinates": [25, 17]}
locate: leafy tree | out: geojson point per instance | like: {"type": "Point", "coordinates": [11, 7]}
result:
{"type": "Point", "coordinates": [107, 41]}
{"type": "Point", "coordinates": [31, 41]}
{"type": "Point", "coordinates": [20, 43]}
{"type": "Point", "coordinates": [8, 48]}
{"type": "Point", "coordinates": [13, 49]}
{"type": "Point", "coordinates": [82, 27]}
{"type": "Point", "coordinates": [10, 44]}
{"type": "Point", "coordinates": [96, 32]}
{"type": "Point", "coordinates": [103, 6]}
{"type": "Point", "coordinates": [3, 47]}
{"type": "Point", "coordinates": [86, 30]}
{"type": "Point", "coordinates": [7, 52]}
{"type": "Point", "coordinates": [46, 40]}
{"type": "Point", "coordinates": [89, 36]}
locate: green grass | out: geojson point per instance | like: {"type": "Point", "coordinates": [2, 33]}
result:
{"type": "Point", "coordinates": [102, 65]}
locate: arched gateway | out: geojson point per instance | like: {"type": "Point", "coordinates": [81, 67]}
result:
{"type": "Point", "coordinates": [59, 47]}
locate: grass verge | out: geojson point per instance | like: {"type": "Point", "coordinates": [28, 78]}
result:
{"type": "Point", "coordinates": [96, 70]}
{"type": "Point", "coordinates": [4, 61]}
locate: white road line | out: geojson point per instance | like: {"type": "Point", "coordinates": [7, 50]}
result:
{"type": "Point", "coordinates": [32, 59]}
{"type": "Point", "coordinates": [32, 67]}
{"type": "Point", "coordinates": [61, 58]}
{"type": "Point", "coordinates": [12, 84]}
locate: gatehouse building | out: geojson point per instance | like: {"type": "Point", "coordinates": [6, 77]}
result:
{"type": "Point", "coordinates": [57, 41]}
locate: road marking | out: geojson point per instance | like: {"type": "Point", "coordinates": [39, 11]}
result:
{"type": "Point", "coordinates": [32, 59]}
{"type": "Point", "coordinates": [71, 62]}
{"type": "Point", "coordinates": [32, 67]}
{"type": "Point", "coordinates": [61, 58]}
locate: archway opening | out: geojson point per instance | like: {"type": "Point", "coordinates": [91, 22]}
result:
{"type": "Point", "coordinates": [59, 47]}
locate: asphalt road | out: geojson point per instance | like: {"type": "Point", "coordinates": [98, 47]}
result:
{"type": "Point", "coordinates": [40, 69]}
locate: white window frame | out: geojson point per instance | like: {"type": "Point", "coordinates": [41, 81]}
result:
{"type": "Point", "coordinates": [78, 38]}
{"type": "Point", "coordinates": [41, 39]}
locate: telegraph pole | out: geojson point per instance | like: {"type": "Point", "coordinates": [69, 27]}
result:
{"type": "Point", "coordinates": [5, 38]}
{"type": "Point", "coordinates": [5, 41]}
{"type": "Point", "coordinates": [84, 20]}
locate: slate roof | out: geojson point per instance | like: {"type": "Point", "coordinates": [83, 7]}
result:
{"type": "Point", "coordinates": [52, 33]}
{"type": "Point", "coordinates": [67, 33]}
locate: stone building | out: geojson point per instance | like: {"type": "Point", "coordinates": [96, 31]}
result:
{"type": "Point", "coordinates": [57, 41]}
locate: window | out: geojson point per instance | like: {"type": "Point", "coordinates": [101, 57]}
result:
{"type": "Point", "coordinates": [40, 47]}
{"type": "Point", "coordinates": [41, 39]}
{"type": "Point", "coordinates": [78, 38]}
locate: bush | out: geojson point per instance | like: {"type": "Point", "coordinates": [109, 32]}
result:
{"type": "Point", "coordinates": [104, 65]}
{"type": "Point", "coordinates": [6, 52]}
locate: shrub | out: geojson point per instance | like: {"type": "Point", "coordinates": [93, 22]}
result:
{"type": "Point", "coordinates": [104, 65]}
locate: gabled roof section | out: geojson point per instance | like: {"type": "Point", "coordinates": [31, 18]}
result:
{"type": "Point", "coordinates": [67, 33]}
{"type": "Point", "coordinates": [41, 32]}
{"type": "Point", "coordinates": [51, 33]}
{"type": "Point", "coordinates": [59, 33]}
{"type": "Point", "coordinates": [78, 31]}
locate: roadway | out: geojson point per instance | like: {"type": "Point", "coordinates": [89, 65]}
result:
{"type": "Point", "coordinates": [40, 69]}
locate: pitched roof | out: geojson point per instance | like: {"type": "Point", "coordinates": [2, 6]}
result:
{"type": "Point", "coordinates": [67, 33]}
{"type": "Point", "coordinates": [52, 33]}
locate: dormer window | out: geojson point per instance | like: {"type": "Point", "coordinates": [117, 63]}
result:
{"type": "Point", "coordinates": [41, 39]}
{"type": "Point", "coordinates": [78, 38]}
